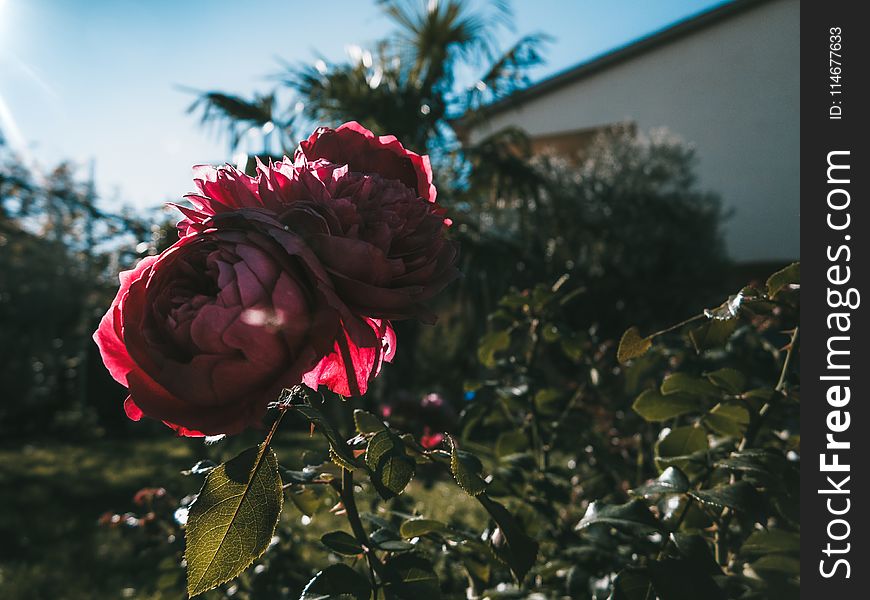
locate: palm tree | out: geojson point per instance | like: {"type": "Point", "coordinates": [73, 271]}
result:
{"type": "Point", "coordinates": [407, 85]}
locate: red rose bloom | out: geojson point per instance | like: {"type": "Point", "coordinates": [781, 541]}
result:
{"type": "Point", "coordinates": [364, 152]}
{"type": "Point", "coordinates": [340, 241]}
{"type": "Point", "coordinates": [206, 334]}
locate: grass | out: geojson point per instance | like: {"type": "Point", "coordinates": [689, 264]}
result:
{"type": "Point", "coordinates": [53, 495]}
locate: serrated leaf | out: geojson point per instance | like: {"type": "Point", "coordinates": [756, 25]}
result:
{"type": "Point", "coordinates": [492, 343]}
{"type": "Point", "coordinates": [233, 518]}
{"type": "Point", "coordinates": [366, 422]}
{"type": "Point", "coordinates": [341, 542]}
{"type": "Point", "coordinates": [632, 345]}
{"type": "Point", "coordinates": [791, 275]}
{"type": "Point", "coordinates": [419, 527]}
{"type": "Point", "coordinates": [671, 481]}
{"type": "Point", "coordinates": [512, 545]}
{"type": "Point", "coordinates": [653, 406]}
{"type": "Point", "coordinates": [465, 470]}
{"type": "Point", "coordinates": [337, 582]}
{"type": "Point", "coordinates": [633, 516]}
{"type": "Point", "coordinates": [392, 469]}
{"type": "Point", "coordinates": [688, 385]}
{"type": "Point", "coordinates": [730, 380]}
{"type": "Point", "coordinates": [411, 577]}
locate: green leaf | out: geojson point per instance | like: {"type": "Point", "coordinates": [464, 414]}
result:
{"type": "Point", "coordinates": [392, 469]}
{"type": "Point", "coordinates": [671, 481]}
{"type": "Point", "coordinates": [466, 469]}
{"type": "Point", "coordinates": [342, 543]}
{"type": "Point", "coordinates": [510, 543]}
{"type": "Point", "coordinates": [366, 422]}
{"type": "Point", "coordinates": [687, 384]}
{"type": "Point", "coordinates": [730, 380]}
{"type": "Point", "coordinates": [678, 446]}
{"type": "Point", "coordinates": [387, 539]}
{"type": "Point", "coordinates": [339, 451]}
{"type": "Point", "coordinates": [492, 343]}
{"type": "Point", "coordinates": [411, 577]}
{"type": "Point", "coordinates": [675, 579]}
{"type": "Point", "coordinates": [630, 585]}
{"type": "Point", "coordinates": [337, 582]}
{"type": "Point", "coordinates": [741, 496]}
{"type": "Point", "coordinates": [712, 334]}
{"type": "Point", "coordinates": [696, 551]}
{"type": "Point", "coordinates": [547, 401]}
{"type": "Point", "coordinates": [419, 527]}
{"type": "Point", "coordinates": [633, 517]}
{"type": "Point", "coordinates": [632, 345]}
{"type": "Point", "coordinates": [653, 406]}
{"type": "Point", "coordinates": [307, 499]}
{"type": "Point", "coordinates": [771, 541]}
{"type": "Point", "coordinates": [511, 442]}
{"type": "Point", "coordinates": [778, 563]}
{"type": "Point", "coordinates": [791, 275]}
{"type": "Point", "coordinates": [233, 518]}
{"type": "Point", "coordinates": [728, 419]}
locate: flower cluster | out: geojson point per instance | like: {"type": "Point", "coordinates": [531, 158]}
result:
{"type": "Point", "coordinates": [289, 276]}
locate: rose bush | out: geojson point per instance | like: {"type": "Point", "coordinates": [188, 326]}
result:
{"type": "Point", "coordinates": [291, 275]}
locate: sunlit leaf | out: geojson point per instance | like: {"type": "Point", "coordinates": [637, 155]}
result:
{"type": "Point", "coordinates": [233, 518]}
{"type": "Point", "coordinates": [366, 422]}
{"type": "Point", "coordinates": [632, 345]}
{"type": "Point", "coordinates": [417, 527]}
{"type": "Point", "coordinates": [392, 469]}
{"type": "Point", "coordinates": [466, 470]}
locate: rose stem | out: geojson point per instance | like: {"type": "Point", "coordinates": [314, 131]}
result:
{"type": "Point", "coordinates": [346, 491]}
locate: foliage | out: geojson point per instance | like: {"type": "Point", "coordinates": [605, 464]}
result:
{"type": "Point", "coordinates": [58, 249]}
{"type": "Point", "coordinates": [672, 473]}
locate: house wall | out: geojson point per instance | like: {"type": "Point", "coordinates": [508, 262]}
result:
{"type": "Point", "coordinates": [730, 89]}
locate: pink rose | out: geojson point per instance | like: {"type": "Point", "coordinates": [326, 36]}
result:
{"type": "Point", "coordinates": [291, 275]}
{"type": "Point", "coordinates": [364, 152]}
{"type": "Point", "coordinates": [206, 334]}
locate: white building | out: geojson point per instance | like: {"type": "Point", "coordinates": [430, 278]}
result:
{"type": "Point", "coordinates": [726, 81]}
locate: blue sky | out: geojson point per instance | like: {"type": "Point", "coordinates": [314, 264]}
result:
{"type": "Point", "coordinates": [99, 79]}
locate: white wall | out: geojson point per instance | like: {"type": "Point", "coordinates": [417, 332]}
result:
{"type": "Point", "coordinates": [730, 89]}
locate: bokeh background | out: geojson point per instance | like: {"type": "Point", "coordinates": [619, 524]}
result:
{"type": "Point", "coordinates": [646, 150]}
